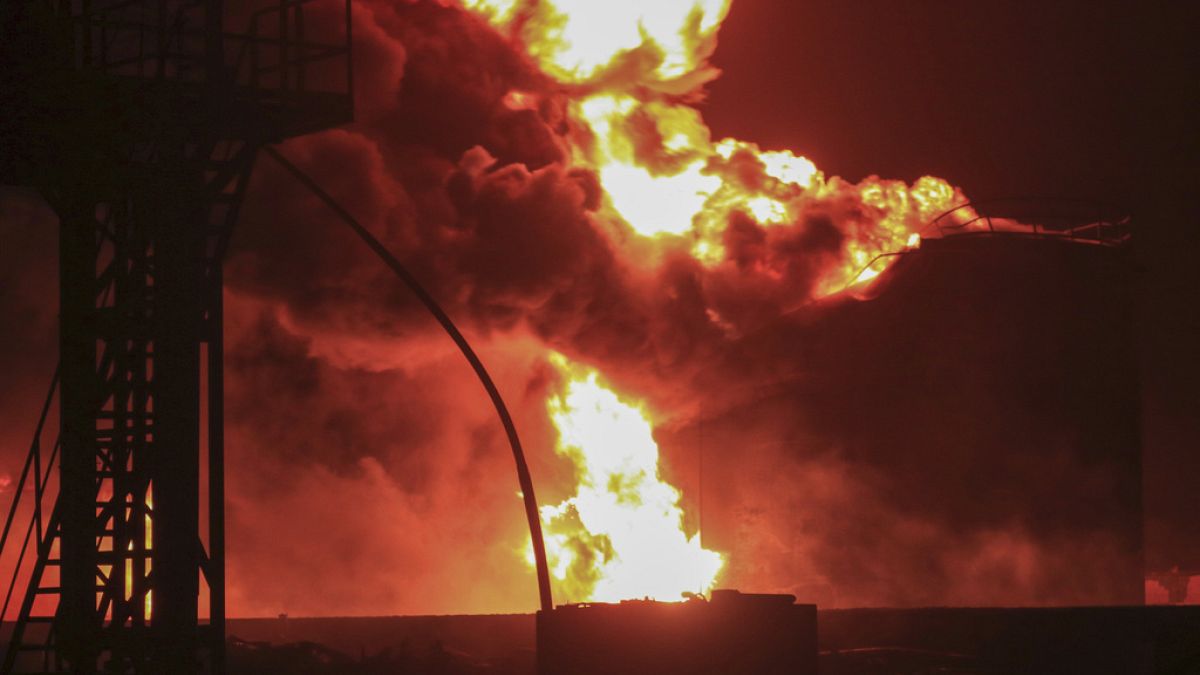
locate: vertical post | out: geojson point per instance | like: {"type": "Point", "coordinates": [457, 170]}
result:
{"type": "Point", "coordinates": [214, 47]}
{"type": "Point", "coordinates": [301, 50]}
{"type": "Point", "coordinates": [283, 46]}
{"type": "Point", "coordinates": [211, 298]}
{"type": "Point", "coordinates": [78, 625]}
{"type": "Point", "coordinates": [350, 57]}
{"type": "Point", "coordinates": [85, 33]}
{"type": "Point", "coordinates": [253, 45]}
{"type": "Point", "coordinates": [175, 459]}
{"type": "Point", "coordinates": [37, 485]}
{"type": "Point", "coordinates": [141, 409]}
{"type": "Point", "coordinates": [216, 470]}
{"type": "Point", "coordinates": [161, 48]}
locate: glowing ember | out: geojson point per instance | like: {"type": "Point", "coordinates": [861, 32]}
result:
{"type": "Point", "coordinates": [621, 535]}
{"type": "Point", "coordinates": [631, 67]}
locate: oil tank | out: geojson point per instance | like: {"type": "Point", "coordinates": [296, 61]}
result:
{"type": "Point", "coordinates": [965, 431]}
{"type": "Point", "coordinates": [732, 634]}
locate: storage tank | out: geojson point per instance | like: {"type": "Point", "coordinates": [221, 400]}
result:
{"type": "Point", "coordinates": [963, 431]}
{"type": "Point", "coordinates": [732, 633]}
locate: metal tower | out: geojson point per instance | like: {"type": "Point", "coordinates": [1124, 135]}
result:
{"type": "Point", "coordinates": [139, 121]}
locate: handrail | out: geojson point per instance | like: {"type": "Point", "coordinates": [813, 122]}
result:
{"type": "Point", "coordinates": [41, 538]}
{"type": "Point", "coordinates": [40, 532]}
{"type": "Point", "coordinates": [1078, 220]}
{"type": "Point", "coordinates": [1075, 219]}
{"type": "Point", "coordinates": [295, 51]}
{"type": "Point", "coordinates": [854, 279]}
{"type": "Point", "coordinates": [34, 452]}
{"type": "Point", "coordinates": [252, 38]}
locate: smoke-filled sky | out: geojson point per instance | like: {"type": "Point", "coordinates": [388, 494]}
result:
{"type": "Point", "coordinates": [367, 474]}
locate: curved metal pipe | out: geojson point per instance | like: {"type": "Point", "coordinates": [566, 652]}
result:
{"type": "Point", "coordinates": [531, 508]}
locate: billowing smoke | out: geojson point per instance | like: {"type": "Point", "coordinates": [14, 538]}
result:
{"type": "Point", "coordinates": [367, 474]}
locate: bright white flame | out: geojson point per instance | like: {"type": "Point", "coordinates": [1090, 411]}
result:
{"type": "Point", "coordinates": [635, 68]}
{"type": "Point", "coordinates": [788, 168]}
{"type": "Point", "coordinates": [577, 39]}
{"type": "Point", "coordinates": [621, 535]}
{"type": "Point", "coordinates": [659, 204]}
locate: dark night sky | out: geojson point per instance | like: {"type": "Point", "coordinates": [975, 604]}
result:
{"type": "Point", "coordinates": [1093, 100]}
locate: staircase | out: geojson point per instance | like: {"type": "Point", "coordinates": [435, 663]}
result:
{"type": "Point", "coordinates": [31, 642]}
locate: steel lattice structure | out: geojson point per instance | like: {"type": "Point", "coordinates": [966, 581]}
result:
{"type": "Point", "coordinates": [139, 121]}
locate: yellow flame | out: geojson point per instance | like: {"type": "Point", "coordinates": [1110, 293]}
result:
{"type": "Point", "coordinates": [148, 542]}
{"type": "Point", "coordinates": [663, 175]}
{"type": "Point", "coordinates": [577, 41]}
{"type": "Point", "coordinates": [621, 535]}
{"type": "Point", "coordinates": [499, 12]}
{"type": "Point", "coordinates": [631, 65]}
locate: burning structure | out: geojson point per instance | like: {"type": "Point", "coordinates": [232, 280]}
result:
{"type": "Point", "coordinates": [545, 168]}
{"type": "Point", "coordinates": [1023, 415]}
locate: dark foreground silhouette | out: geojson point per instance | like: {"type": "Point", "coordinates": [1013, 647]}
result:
{"type": "Point", "coordinates": [311, 658]}
{"type": "Point", "coordinates": [945, 641]}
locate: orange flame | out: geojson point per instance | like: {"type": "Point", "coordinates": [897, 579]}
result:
{"type": "Point", "coordinates": [621, 534]}
{"type": "Point", "coordinates": [582, 41]}
{"type": "Point", "coordinates": [631, 67]}
{"type": "Point", "coordinates": [149, 542]}
{"type": "Point", "coordinates": [629, 72]}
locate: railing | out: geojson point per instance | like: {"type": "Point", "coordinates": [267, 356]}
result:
{"type": "Point", "coordinates": [1075, 220]}
{"type": "Point", "coordinates": [1078, 220]}
{"type": "Point", "coordinates": [39, 529]}
{"type": "Point", "coordinates": [294, 53]}
{"type": "Point", "coordinates": [181, 41]}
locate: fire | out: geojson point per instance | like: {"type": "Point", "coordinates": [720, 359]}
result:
{"type": "Point", "coordinates": [148, 601]}
{"type": "Point", "coordinates": [621, 534]}
{"type": "Point", "coordinates": [583, 40]}
{"type": "Point", "coordinates": [627, 76]}
{"type": "Point", "coordinates": [632, 70]}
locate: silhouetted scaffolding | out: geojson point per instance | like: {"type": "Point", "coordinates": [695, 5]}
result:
{"type": "Point", "coordinates": [139, 123]}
